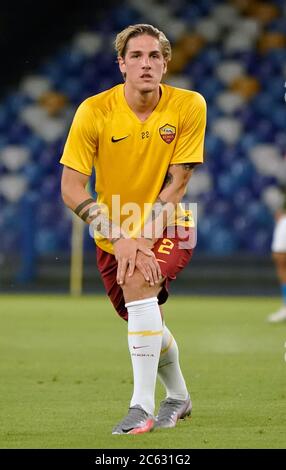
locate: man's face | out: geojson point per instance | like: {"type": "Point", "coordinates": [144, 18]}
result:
{"type": "Point", "coordinates": [143, 63]}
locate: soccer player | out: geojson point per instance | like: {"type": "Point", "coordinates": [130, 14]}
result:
{"type": "Point", "coordinates": [279, 257]}
{"type": "Point", "coordinates": [144, 139]}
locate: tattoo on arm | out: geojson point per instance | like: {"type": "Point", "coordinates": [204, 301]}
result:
{"type": "Point", "coordinates": [87, 213]}
{"type": "Point", "coordinates": [187, 166]}
{"type": "Point", "coordinates": [84, 213]}
{"type": "Point", "coordinates": [168, 180]}
{"type": "Point", "coordinates": [82, 205]}
{"type": "Point", "coordinates": [103, 225]}
{"type": "Point", "coordinates": [158, 208]}
{"type": "Point", "coordinates": [169, 177]}
{"type": "Point", "coordinates": [158, 218]}
{"type": "Point", "coordinates": [163, 212]}
{"type": "Point", "coordinates": [99, 221]}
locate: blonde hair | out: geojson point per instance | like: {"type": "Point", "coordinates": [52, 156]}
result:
{"type": "Point", "coordinates": [132, 31]}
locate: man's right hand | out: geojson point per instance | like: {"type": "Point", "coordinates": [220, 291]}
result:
{"type": "Point", "coordinates": [125, 251]}
{"type": "Point", "coordinates": [149, 267]}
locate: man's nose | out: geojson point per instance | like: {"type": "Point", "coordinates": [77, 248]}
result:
{"type": "Point", "coordinates": [146, 62]}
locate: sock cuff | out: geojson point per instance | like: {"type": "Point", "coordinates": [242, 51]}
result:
{"type": "Point", "coordinates": [141, 302]}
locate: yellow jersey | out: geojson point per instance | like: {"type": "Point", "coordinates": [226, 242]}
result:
{"type": "Point", "coordinates": [131, 157]}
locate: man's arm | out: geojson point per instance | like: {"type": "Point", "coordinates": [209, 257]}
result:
{"type": "Point", "coordinates": [79, 201]}
{"type": "Point", "coordinates": [74, 194]}
{"type": "Point", "coordinates": [76, 197]}
{"type": "Point", "coordinates": [172, 192]}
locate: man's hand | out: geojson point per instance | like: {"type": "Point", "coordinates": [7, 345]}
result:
{"type": "Point", "coordinates": [125, 251]}
{"type": "Point", "coordinates": [149, 267]}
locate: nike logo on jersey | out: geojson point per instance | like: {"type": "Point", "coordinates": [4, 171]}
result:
{"type": "Point", "coordinates": [113, 139]}
{"type": "Point", "coordinates": [139, 347]}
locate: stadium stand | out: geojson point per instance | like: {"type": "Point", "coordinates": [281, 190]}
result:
{"type": "Point", "coordinates": [232, 52]}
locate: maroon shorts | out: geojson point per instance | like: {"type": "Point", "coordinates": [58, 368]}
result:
{"type": "Point", "coordinates": [172, 253]}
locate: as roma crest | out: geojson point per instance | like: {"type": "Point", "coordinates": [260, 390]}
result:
{"type": "Point", "coordinates": [168, 133]}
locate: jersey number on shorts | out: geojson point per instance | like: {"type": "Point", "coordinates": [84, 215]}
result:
{"type": "Point", "coordinates": [166, 246]}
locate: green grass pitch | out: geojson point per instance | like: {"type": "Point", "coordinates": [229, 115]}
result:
{"type": "Point", "coordinates": [65, 374]}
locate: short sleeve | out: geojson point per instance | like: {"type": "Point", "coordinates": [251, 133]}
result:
{"type": "Point", "coordinates": [190, 144]}
{"type": "Point", "coordinates": [81, 144]}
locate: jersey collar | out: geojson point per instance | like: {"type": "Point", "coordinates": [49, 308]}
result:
{"type": "Point", "coordinates": [155, 111]}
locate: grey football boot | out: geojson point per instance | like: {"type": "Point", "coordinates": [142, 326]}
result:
{"type": "Point", "coordinates": [137, 421]}
{"type": "Point", "coordinates": [171, 410]}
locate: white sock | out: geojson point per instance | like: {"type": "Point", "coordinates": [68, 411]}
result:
{"type": "Point", "coordinates": [169, 370]}
{"type": "Point", "coordinates": [144, 339]}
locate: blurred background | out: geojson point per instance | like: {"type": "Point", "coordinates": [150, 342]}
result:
{"type": "Point", "coordinates": [231, 51]}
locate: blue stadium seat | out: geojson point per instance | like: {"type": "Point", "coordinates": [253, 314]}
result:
{"type": "Point", "coordinates": [222, 241]}
{"type": "Point", "coordinates": [260, 242]}
{"type": "Point", "coordinates": [46, 241]}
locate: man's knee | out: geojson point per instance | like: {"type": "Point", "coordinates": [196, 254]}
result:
{"type": "Point", "coordinates": [136, 287]}
{"type": "Point", "coordinates": [136, 281]}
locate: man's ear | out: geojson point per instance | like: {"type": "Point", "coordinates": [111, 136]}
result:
{"type": "Point", "coordinates": [121, 64]}
{"type": "Point", "coordinates": [165, 67]}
